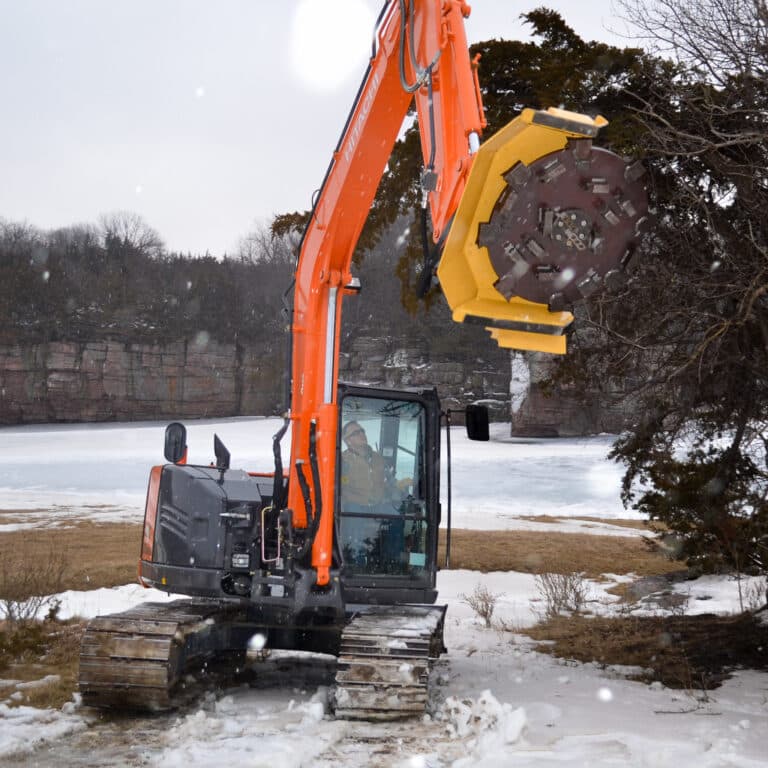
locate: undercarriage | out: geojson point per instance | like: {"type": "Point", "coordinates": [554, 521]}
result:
{"type": "Point", "coordinates": [144, 659]}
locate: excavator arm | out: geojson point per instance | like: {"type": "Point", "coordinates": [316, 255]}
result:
{"type": "Point", "coordinates": [528, 222]}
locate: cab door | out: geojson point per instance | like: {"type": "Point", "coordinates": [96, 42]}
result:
{"type": "Point", "coordinates": [387, 505]}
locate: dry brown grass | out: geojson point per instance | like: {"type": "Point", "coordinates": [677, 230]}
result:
{"type": "Point", "coordinates": [619, 522]}
{"type": "Point", "coordinates": [539, 552]}
{"type": "Point", "coordinates": [96, 555]}
{"type": "Point", "coordinates": [690, 652]}
{"type": "Point", "coordinates": [104, 555]}
{"type": "Point", "coordinates": [99, 555]}
{"type": "Point", "coordinates": [35, 651]}
{"type": "Point", "coordinates": [28, 577]}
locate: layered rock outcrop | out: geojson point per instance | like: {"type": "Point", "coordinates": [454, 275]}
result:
{"type": "Point", "coordinates": [110, 380]}
{"type": "Point", "coordinates": [116, 381]}
{"type": "Point", "coordinates": [466, 378]}
{"type": "Point", "coordinates": [541, 409]}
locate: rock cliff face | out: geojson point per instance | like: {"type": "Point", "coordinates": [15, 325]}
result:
{"type": "Point", "coordinates": [117, 381]}
{"type": "Point", "coordinates": [469, 378]}
{"type": "Point", "coordinates": [540, 410]}
{"type": "Point", "coordinates": [112, 380]}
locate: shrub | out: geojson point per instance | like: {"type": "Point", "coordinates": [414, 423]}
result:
{"type": "Point", "coordinates": [561, 593]}
{"type": "Point", "coordinates": [29, 581]}
{"type": "Point", "coordinates": [483, 602]}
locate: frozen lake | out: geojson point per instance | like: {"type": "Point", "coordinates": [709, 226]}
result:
{"type": "Point", "coordinates": [99, 471]}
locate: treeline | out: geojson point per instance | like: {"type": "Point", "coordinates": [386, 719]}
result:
{"type": "Point", "coordinates": [116, 279]}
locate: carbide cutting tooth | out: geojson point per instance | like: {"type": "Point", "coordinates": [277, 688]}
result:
{"type": "Point", "coordinates": [507, 284]}
{"type": "Point", "coordinates": [634, 171]}
{"type": "Point", "coordinates": [552, 171]}
{"type": "Point", "coordinates": [504, 287]}
{"type": "Point", "coordinates": [557, 303]}
{"type": "Point", "coordinates": [536, 250]}
{"type": "Point", "coordinates": [629, 259]}
{"type": "Point", "coordinates": [518, 176]}
{"type": "Point", "coordinates": [547, 218]}
{"type": "Point", "coordinates": [599, 186]}
{"type": "Point", "coordinates": [485, 231]}
{"type": "Point", "coordinates": [614, 280]}
{"type": "Point", "coordinates": [546, 272]}
{"type": "Point", "coordinates": [516, 259]}
{"type": "Point", "coordinates": [628, 208]}
{"type": "Point", "coordinates": [582, 151]}
{"type": "Point", "coordinates": [507, 199]}
{"type": "Point", "coordinates": [588, 284]}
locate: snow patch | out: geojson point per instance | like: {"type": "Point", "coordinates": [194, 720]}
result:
{"type": "Point", "coordinates": [42, 683]}
{"type": "Point", "coordinates": [23, 729]}
{"type": "Point", "coordinates": [520, 380]}
{"type": "Point", "coordinates": [469, 717]}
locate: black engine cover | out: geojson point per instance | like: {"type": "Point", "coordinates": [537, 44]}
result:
{"type": "Point", "coordinates": [204, 515]}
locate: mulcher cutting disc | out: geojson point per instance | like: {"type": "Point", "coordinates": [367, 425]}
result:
{"type": "Point", "coordinates": [543, 220]}
{"type": "Point", "coordinates": [563, 223]}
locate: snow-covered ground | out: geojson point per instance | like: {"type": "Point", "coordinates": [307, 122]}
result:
{"type": "Point", "coordinates": [498, 702]}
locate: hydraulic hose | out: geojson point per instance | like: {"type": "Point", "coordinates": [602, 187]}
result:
{"type": "Point", "coordinates": [313, 519]}
{"type": "Point", "coordinates": [278, 487]}
{"type": "Point", "coordinates": [408, 11]}
{"type": "Point", "coordinates": [431, 255]}
{"type": "Point", "coordinates": [313, 465]}
{"type": "Point", "coordinates": [304, 487]}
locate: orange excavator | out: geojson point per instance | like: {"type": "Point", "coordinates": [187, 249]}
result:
{"type": "Point", "coordinates": [338, 553]}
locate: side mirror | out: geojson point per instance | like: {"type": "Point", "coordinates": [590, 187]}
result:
{"type": "Point", "coordinates": [477, 422]}
{"type": "Point", "coordinates": [176, 443]}
{"type": "Point", "coordinates": [221, 453]}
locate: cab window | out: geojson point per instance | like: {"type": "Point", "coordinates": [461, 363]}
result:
{"type": "Point", "coordinates": [382, 489]}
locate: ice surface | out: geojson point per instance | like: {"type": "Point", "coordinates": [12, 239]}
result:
{"type": "Point", "coordinates": [99, 472]}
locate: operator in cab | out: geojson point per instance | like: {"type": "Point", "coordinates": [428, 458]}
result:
{"type": "Point", "coordinates": [363, 474]}
{"type": "Point", "coordinates": [368, 494]}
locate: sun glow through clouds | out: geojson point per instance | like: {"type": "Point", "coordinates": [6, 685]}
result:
{"type": "Point", "coordinates": [330, 41]}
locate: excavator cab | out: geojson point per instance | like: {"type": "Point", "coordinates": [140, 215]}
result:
{"type": "Point", "coordinates": [387, 502]}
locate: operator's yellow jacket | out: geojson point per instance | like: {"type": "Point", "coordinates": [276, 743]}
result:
{"type": "Point", "coordinates": [363, 479]}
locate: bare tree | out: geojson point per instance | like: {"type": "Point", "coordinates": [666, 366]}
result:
{"type": "Point", "coordinates": [720, 37]}
{"type": "Point", "coordinates": [77, 237]}
{"type": "Point", "coordinates": [264, 246]}
{"type": "Point", "coordinates": [18, 234]}
{"type": "Point", "coordinates": [130, 231]}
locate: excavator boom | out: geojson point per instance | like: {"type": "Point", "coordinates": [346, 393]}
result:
{"type": "Point", "coordinates": [531, 220]}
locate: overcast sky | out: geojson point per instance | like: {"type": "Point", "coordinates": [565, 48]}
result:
{"type": "Point", "coordinates": [205, 118]}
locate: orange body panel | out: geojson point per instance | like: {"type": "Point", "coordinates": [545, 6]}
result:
{"type": "Point", "coordinates": [341, 210]}
{"type": "Point", "coordinates": [150, 514]}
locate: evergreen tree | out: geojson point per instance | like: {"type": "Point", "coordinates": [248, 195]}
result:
{"type": "Point", "coordinates": [690, 325]}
